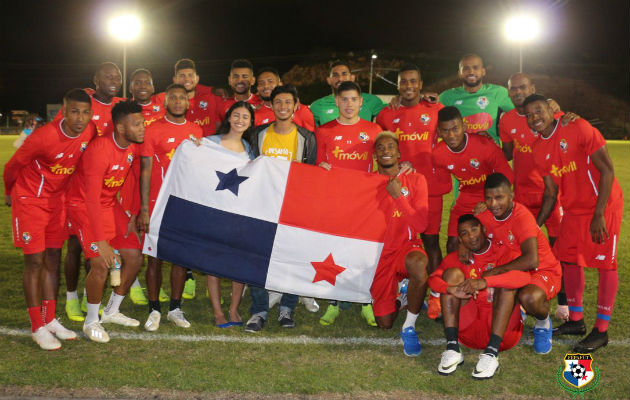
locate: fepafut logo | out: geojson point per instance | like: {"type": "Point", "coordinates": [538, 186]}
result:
{"type": "Point", "coordinates": [578, 375]}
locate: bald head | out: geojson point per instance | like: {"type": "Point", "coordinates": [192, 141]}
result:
{"type": "Point", "coordinates": [471, 72]}
{"type": "Point", "coordinates": [470, 57]}
{"type": "Point", "coordinates": [519, 87]}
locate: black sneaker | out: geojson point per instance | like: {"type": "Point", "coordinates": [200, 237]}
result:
{"type": "Point", "coordinates": [592, 342]}
{"type": "Point", "coordinates": [571, 328]}
{"type": "Point", "coordinates": [255, 324]}
{"type": "Point", "coordinates": [285, 320]}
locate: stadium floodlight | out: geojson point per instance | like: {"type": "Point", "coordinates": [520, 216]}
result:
{"type": "Point", "coordinates": [374, 57]}
{"type": "Point", "coordinates": [125, 28]}
{"type": "Point", "coordinates": [522, 29]}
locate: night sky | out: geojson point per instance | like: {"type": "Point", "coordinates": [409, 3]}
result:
{"type": "Point", "coordinates": [51, 46]}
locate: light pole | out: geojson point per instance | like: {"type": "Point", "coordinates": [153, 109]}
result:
{"type": "Point", "coordinates": [125, 28]}
{"type": "Point", "coordinates": [521, 29]}
{"type": "Point", "coordinates": [374, 57]}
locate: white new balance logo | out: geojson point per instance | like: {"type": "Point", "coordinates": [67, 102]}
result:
{"type": "Point", "coordinates": [600, 257]}
{"type": "Point", "coordinates": [171, 140]}
{"type": "Point", "coordinates": [59, 156]}
{"type": "Point", "coordinates": [338, 138]}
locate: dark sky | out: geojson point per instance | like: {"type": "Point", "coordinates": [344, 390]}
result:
{"type": "Point", "coordinates": [51, 46]}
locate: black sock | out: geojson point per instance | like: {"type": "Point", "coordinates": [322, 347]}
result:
{"type": "Point", "coordinates": [562, 299]}
{"type": "Point", "coordinates": [493, 345]}
{"type": "Point", "coordinates": [451, 334]}
{"type": "Point", "coordinates": [155, 305]}
{"type": "Point", "coordinates": [189, 275]}
{"type": "Point", "coordinates": [175, 304]}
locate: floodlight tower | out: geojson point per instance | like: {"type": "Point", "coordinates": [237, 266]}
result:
{"type": "Point", "coordinates": [522, 29]}
{"type": "Point", "coordinates": [126, 28]}
{"type": "Point", "coordinates": [374, 57]}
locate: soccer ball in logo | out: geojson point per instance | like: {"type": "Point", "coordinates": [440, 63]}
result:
{"type": "Point", "coordinates": [474, 163]}
{"type": "Point", "coordinates": [578, 371]}
{"type": "Point", "coordinates": [129, 158]}
{"type": "Point", "coordinates": [363, 137]}
{"type": "Point", "coordinates": [26, 237]}
{"type": "Point", "coordinates": [564, 145]}
{"type": "Point", "coordinates": [203, 105]}
{"type": "Point", "coordinates": [83, 146]}
{"type": "Point", "coordinates": [425, 118]}
{"type": "Point", "coordinates": [482, 102]}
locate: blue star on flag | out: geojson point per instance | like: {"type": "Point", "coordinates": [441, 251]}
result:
{"type": "Point", "coordinates": [230, 181]}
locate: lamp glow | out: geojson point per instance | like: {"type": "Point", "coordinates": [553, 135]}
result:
{"type": "Point", "coordinates": [522, 28]}
{"type": "Point", "coordinates": [125, 27]}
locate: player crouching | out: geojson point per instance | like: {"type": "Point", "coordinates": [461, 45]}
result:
{"type": "Point", "coordinates": [98, 219]}
{"type": "Point", "coordinates": [403, 255]}
{"type": "Point", "coordinates": [479, 311]}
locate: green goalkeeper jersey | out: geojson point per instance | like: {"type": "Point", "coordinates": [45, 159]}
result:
{"type": "Point", "coordinates": [325, 110]}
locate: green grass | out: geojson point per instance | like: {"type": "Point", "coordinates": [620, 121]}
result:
{"type": "Point", "coordinates": [212, 368]}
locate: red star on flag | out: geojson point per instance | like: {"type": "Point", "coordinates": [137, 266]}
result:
{"type": "Point", "coordinates": [327, 270]}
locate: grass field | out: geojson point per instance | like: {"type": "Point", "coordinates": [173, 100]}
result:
{"type": "Point", "coordinates": [307, 361]}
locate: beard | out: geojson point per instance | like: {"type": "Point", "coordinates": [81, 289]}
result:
{"type": "Point", "coordinates": [472, 84]}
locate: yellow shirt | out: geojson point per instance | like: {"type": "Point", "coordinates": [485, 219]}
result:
{"type": "Point", "coordinates": [280, 146]}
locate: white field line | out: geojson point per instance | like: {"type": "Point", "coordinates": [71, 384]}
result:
{"type": "Point", "coordinates": [293, 340]}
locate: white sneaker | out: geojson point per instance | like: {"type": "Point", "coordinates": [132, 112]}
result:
{"type": "Point", "coordinates": [60, 331]}
{"type": "Point", "coordinates": [310, 304]}
{"type": "Point", "coordinates": [451, 359]}
{"type": "Point", "coordinates": [95, 332]}
{"type": "Point", "coordinates": [153, 322]}
{"type": "Point", "coordinates": [274, 298]}
{"type": "Point", "coordinates": [45, 339]}
{"type": "Point", "coordinates": [486, 366]}
{"type": "Point", "coordinates": [119, 319]}
{"type": "Point", "coordinates": [177, 317]}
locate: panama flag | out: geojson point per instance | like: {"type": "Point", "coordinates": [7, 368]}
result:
{"type": "Point", "coordinates": [281, 225]}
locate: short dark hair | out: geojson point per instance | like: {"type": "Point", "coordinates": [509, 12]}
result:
{"type": "Point", "coordinates": [347, 85]}
{"type": "Point", "coordinates": [496, 180]}
{"type": "Point", "coordinates": [174, 86]}
{"type": "Point", "coordinates": [337, 63]}
{"type": "Point", "coordinates": [77, 95]}
{"type": "Point", "coordinates": [124, 108]}
{"type": "Point", "coordinates": [448, 114]}
{"type": "Point", "coordinates": [410, 67]}
{"type": "Point", "coordinates": [268, 69]}
{"type": "Point", "coordinates": [285, 89]}
{"type": "Point", "coordinates": [185, 63]}
{"type": "Point", "coordinates": [533, 98]}
{"type": "Point", "coordinates": [241, 63]}
{"type": "Point", "coordinates": [140, 71]}
{"type": "Point", "coordinates": [470, 55]}
{"type": "Point", "coordinates": [106, 64]}
{"type": "Point", "coordinates": [466, 218]}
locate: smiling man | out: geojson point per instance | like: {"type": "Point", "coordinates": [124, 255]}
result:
{"type": "Point", "coordinates": [574, 161]}
{"type": "Point", "coordinates": [241, 79]}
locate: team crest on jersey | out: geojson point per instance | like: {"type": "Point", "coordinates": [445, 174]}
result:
{"type": "Point", "coordinates": [156, 108]}
{"type": "Point", "coordinates": [404, 191]}
{"type": "Point", "coordinates": [96, 117]}
{"type": "Point", "coordinates": [129, 158]}
{"type": "Point", "coordinates": [26, 237]}
{"type": "Point", "coordinates": [564, 145]}
{"type": "Point", "coordinates": [192, 137]}
{"type": "Point", "coordinates": [203, 105]}
{"type": "Point", "coordinates": [83, 146]}
{"type": "Point", "coordinates": [364, 137]}
{"type": "Point", "coordinates": [511, 237]}
{"type": "Point", "coordinates": [395, 121]}
{"type": "Point", "coordinates": [93, 247]}
{"type": "Point", "coordinates": [482, 102]}
{"type": "Point", "coordinates": [474, 163]}
{"type": "Point", "coordinates": [425, 118]}
{"type": "Point", "coordinates": [450, 166]}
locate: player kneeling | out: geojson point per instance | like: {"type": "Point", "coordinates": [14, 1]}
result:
{"type": "Point", "coordinates": [403, 255]}
{"type": "Point", "coordinates": [99, 221]}
{"type": "Point", "coordinates": [479, 311]}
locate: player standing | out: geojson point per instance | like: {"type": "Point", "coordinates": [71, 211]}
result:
{"type": "Point", "coordinates": [35, 179]}
{"type": "Point", "coordinates": [163, 137]}
{"type": "Point", "coordinates": [326, 109]}
{"type": "Point", "coordinates": [573, 160]}
{"type": "Point", "coordinates": [470, 158]}
{"type": "Point", "coordinates": [241, 80]}
{"type": "Point", "coordinates": [415, 124]}
{"type": "Point", "coordinates": [99, 221]}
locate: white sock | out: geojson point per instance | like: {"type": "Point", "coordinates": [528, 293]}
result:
{"type": "Point", "coordinates": [72, 296]}
{"type": "Point", "coordinates": [136, 283]}
{"type": "Point", "coordinates": [92, 313]}
{"type": "Point", "coordinates": [113, 304]}
{"type": "Point", "coordinates": [410, 321]}
{"type": "Point", "coordinates": [84, 292]}
{"type": "Point", "coordinates": [542, 323]}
